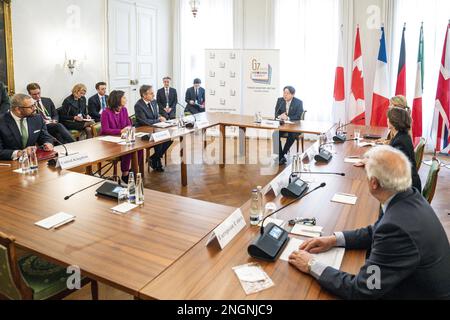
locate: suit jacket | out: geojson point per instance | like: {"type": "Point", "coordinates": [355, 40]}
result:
{"type": "Point", "coordinates": [403, 142]}
{"type": "Point", "coordinates": [295, 109]}
{"type": "Point", "coordinates": [72, 108]}
{"type": "Point", "coordinates": [5, 103]}
{"type": "Point", "coordinates": [190, 95]}
{"type": "Point", "coordinates": [95, 106]}
{"type": "Point", "coordinates": [50, 107]}
{"type": "Point", "coordinates": [146, 116]}
{"type": "Point", "coordinates": [162, 102]}
{"type": "Point", "coordinates": [408, 244]}
{"type": "Point", "coordinates": [11, 139]}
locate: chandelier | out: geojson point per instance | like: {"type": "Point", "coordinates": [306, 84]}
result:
{"type": "Point", "coordinates": [194, 7]}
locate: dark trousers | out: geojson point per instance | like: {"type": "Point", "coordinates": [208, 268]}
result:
{"type": "Point", "coordinates": [194, 109]}
{"type": "Point", "coordinates": [60, 132]}
{"type": "Point", "coordinates": [160, 150]}
{"type": "Point", "coordinates": [277, 146]}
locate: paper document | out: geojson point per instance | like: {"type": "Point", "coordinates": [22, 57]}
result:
{"type": "Point", "coordinates": [253, 278]}
{"type": "Point", "coordinates": [56, 220]}
{"type": "Point", "coordinates": [163, 125]}
{"type": "Point", "coordinates": [111, 139]}
{"type": "Point", "coordinates": [141, 134]}
{"type": "Point", "coordinates": [352, 160]}
{"type": "Point", "coordinates": [124, 208]}
{"type": "Point", "coordinates": [307, 231]}
{"type": "Point", "coordinates": [332, 258]}
{"type": "Point", "coordinates": [345, 198]}
{"type": "Point", "coordinates": [366, 144]}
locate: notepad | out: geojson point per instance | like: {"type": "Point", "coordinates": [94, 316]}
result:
{"type": "Point", "coordinates": [366, 144]}
{"type": "Point", "coordinates": [111, 139]}
{"type": "Point", "coordinates": [55, 221]}
{"type": "Point", "coordinates": [141, 134]}
{"type": "Point", "coordinates": [345, 198]}
{"type": "Point", "coordinates": [352, 160]}
{"type": "Point", "coordinates": [332, 258]}
{"type": "Point", "coordinates": [253, 278]}
{"type": "Point", "coordinates": [163, 125]}
{"type": "Point", "coordinates": [124, 208]}
{"type": "Point", "coordinates": [307, 231]}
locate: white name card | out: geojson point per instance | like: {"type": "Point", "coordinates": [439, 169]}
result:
{"type": "Point", "coordinates": [228, 229]}
{"type": "Point", "coordinates": [270, 123]}
{"type": "Point", "coordinates": [202, 124]}
{"type": "Point", "coordinates": [72, 161]}
{"type": "Point", "coordinates": [161, 136]}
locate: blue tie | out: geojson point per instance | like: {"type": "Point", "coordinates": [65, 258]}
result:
{"type": "Point", "coordinates": [103, 103]}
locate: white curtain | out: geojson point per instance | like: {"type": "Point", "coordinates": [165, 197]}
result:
{"type": "Point", "coordinates": [307, 33]}
{"type": "Point", "coordinates": [435, 15]}
{"type": "Point", "coordinates": [211, 29]}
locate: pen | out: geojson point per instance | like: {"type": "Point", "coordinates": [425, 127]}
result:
{"type": "Point", "coordinates": [5, 165]}
{"type": "Point", "coordinates": [347, 194]}
{"type": "Point", "coordinates": [63, 223]}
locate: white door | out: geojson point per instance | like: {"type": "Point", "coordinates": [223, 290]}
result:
{"type": "Point", "coordinates": [132, 48]}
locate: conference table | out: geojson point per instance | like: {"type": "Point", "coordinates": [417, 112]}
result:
{"type": "Point", "coordinates": [206, 272]}
{"type": "Point", "coordinates": [158, 251]}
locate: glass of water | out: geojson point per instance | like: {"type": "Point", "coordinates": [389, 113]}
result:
{"type": "Point", "coordinates": [122, 196]}
{"type": "Point", "coordinates": [357, 134]}
{"type": "Point", "coordinates": [33, 161]}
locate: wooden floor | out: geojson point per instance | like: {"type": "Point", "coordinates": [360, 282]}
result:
{"type": "Point", "coordinates": [232, 186]}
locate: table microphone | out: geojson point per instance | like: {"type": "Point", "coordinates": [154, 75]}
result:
{"type": "Point", "coordinates": [324, 155]}
{"type": "Point", "coordinates": [342, 137]}
{"type": "Point", "coordinates": [52, 162]}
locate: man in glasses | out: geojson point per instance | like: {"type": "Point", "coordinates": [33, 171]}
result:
{"type": "Point", "coordinates": [21, 129]}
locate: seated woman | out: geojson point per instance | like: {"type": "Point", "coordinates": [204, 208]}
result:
{"type": "Point", "coordinates": [396, 102]}
{"type": "Point", "coordinates": [399, 122]}
{"type": "Point", "coordinates": [115, 122]}
{"type": "Point", "coordinates": [73, 113]}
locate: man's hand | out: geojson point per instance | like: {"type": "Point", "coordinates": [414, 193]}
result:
{"type": "Point", "coordinates": [78, 118]}
{"type": "Point", "coordinates": [284, 117]}
{"type": "Point", "coordinates": [300, 260]}
{"type": "Point", "coordinates": [162, 119]}
{"type": "Point", "coordinates": [319, 245]}
{"type": "Point", "coordinates": [168, 110]}
{"type": "Point", "coordinates": [48, 147]}
{"type": "Point", "coordinates": [192, 102]}
{"type": "Point", "coordinates": [29, 150]}
{"type": "Point", "coordinates": [361, 164]}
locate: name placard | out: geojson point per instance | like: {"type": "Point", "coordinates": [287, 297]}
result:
{"type": "Point", "coordinates": [161, 136]}
{"type": "Point", "coordinates": [228, 229]}
{"type": "Point", "coordinates": [72, 161]}
{"type": "Point", "coordinates": [270, 123]}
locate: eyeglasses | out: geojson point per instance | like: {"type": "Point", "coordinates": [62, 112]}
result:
{"type": "Point", "coordinates": [306, 221]}
{"type": "Point", "coordinates": [33, 106]}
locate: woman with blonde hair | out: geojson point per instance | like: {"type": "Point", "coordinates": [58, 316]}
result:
{"type": "Point", "coordinates": [396, 102]}
{"type": "Point", "coordinates": [73, 114]}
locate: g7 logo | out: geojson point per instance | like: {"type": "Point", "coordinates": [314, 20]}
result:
{"type": "Point", "coordinates": [255, 65]}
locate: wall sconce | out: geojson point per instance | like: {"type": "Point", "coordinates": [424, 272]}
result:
{"type": "Point", "coordinates": [71, 64]}
{"type": "Point", "coordinates": [194, 7]}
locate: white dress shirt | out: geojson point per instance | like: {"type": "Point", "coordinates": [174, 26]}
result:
{"type": "Point", "coordinates": [17, 120]}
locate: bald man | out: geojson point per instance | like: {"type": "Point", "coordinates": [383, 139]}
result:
{"type": "Point", "coordinates": [408, 250]}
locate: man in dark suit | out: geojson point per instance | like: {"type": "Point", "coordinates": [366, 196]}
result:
{"type": "Point", "coordinates": [98, 102]}
{"type": "Point", "coordinates": [408, 250]}
{"type": "Point", "coordinates": [195, 98]}
{"type": "Point", "coordinates": [288, 108]}
{"type": "Point", "coordinates": [5, 103]}
{"type": "Point", "coordinates": [47, 110]}
{"type": "Point", "coordinates": [21, 129]}
{"type": "Point", "coordinates": [167, 100]}
{"type": "Point", "coordinates": [147, 114]}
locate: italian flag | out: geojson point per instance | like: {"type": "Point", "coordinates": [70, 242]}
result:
{"type": "Point", "coordinates": [417, 103]}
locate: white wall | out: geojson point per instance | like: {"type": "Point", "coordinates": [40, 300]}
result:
{"type": "Point", "coordinates": [43, 29]}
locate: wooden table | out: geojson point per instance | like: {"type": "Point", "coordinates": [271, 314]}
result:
{"type": "Point", "coordinates": [206, 272]}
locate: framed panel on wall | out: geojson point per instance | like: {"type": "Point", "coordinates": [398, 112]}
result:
{"type": "Point", "coordinates": [6, 48]}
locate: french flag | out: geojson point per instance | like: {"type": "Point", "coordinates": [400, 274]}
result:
{"type": "Point", "coordinates": [380, 100]}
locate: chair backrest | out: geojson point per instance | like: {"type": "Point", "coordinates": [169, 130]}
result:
{"type": "Point", "coordinates": [133, 120]}
{"type": "Point", "coordinates": [96, 128]}
{"type": "Point", "coordinates": [419, 151]}
{"type": "Point", "coordinates": [430, 186]}
{"type": "Point", "coordinates": [302, 117]}
{"type": "Point", "coordinates": [12, 285]}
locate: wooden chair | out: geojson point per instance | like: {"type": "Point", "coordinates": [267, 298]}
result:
{"type": "Point", "coordinates": [430, 186]}
{"type": "Point", "coordinates": [419, 151]}
{"type": "Point", "coordinates": [33, 278]}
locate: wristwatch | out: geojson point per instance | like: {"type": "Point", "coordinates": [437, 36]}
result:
{"type": "Point", "coordinates": [310, 264]}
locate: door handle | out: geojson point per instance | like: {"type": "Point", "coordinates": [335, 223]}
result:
{"type": "Point", "coordinates": [136, 82]}
{"type": "Point", "coordinates": [132, 82]}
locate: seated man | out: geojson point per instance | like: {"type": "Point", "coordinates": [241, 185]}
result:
{"type": "Point", "coordinates": [288, 108]}
{"type": "Point", "coordinates": [47, 110]}
{"type": "Point", "coordinates": [195, 98]}
{"type": "Point", "coordinates": [409, 253]}
{"type": "Point", "coordinates": [98, 102]}
{"type": "Point", "coordinates": [21, 129]}
{"type": "Point", "coordinates": [167, 100]}
{"type": "Point", "coordinates": [147, 114]}
{"type": "Point", "coordinates": [5, 104]}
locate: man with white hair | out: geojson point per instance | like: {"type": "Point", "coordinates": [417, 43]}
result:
{"type": "Point", "coordinates": [408, 251]}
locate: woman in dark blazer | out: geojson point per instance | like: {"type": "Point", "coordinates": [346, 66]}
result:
{"type": "Point", "coordinates": [399, 122]}
{"type": "Point", "coordinates": [73, 114]}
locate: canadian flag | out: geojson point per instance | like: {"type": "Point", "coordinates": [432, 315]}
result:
{"type": "Point", "coordinates": [417, 103]}
{"type": "Point", "coordinates": [441, 123]}
{"type": "Point", "coordinates": [380, 100]}
{"type": "Point", "coordinates": [357, 108]}
{"type": "Point", "coordinates": [339, 83]}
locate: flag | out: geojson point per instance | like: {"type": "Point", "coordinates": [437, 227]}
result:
{"type": "Point", "coordinates": [441, 127]}
{"type": "Point", "coordinates": [380, 100]}
{"type": "Point", "coordinates": [401, 75]}
{"type": "Point", "coordinates": [417, 103]}
{"type": "Point", "coordinates": [357, 110]}
{"type": "Point", "coordinates": [339, 83]}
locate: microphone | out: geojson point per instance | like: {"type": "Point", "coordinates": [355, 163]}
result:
{"type": "Point", "coordinates": [52, 162]}
{"type": "Point", "coordinates": [342, 137]}
{"type": "Point", "coordinates": [79, 191]}
{"type": "Point", "coordinates": [324, 155]}
{"type": "Point", "coordinates": [322, 185]}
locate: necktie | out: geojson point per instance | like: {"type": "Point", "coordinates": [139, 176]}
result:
{"type": "Point", "coordinates": [24, 131]}
{"type": "Point", "coordinates": [42, 109]}
{"type": "Point", "coordinates": [103, 103]}
{"type": "Point", "coordinates": [152, 108]}
{"type": "Point", "coordinates": [167, 96]}
{"type": "Point", "coordinates": [196, 94]}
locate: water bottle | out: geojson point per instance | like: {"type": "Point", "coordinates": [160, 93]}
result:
{"type": "Point", "coordinates": [24, 162]}
{"type": "Point", "coordinates": [132, 135]}
{"type": "Point", "coordinates": [131, 189]}
{"type": "Point", "coordinates": [139, 190]}
{"type": "Point", "coordinates": [254, 210]}
{"type": "Point", "coordinates": [260, 202]}
{"type": "Point", "coordinates": [33, 161]}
